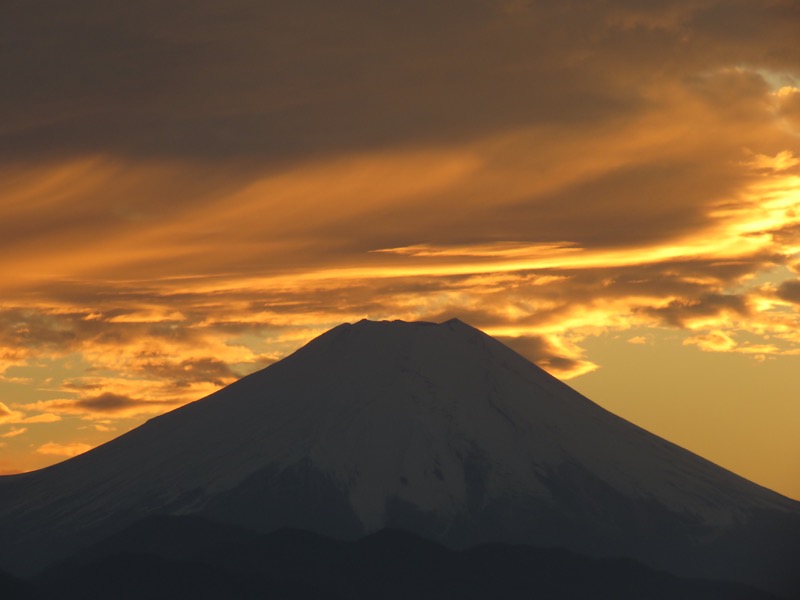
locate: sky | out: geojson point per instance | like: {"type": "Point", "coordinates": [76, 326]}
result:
{"type": "Point", "coordinates": [189, 191]}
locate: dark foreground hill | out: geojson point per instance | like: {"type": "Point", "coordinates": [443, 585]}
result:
{"type": "Point", "coordinates": [291, 564]}
{"type": "Point", "coordinates": [12, 588]}
{"type": "Point", "coordinates": [439, 430]}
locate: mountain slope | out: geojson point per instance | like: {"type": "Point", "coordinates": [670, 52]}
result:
{"type": "Point", "coordinates": [438, 429]}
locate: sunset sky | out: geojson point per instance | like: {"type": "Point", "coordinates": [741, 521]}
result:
{"type": "Point", "coordinates": [189, 191]}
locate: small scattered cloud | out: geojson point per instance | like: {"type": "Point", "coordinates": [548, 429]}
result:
{"type": "Point", "coordinates": [14, 432]}
{"type": "Point", "coordinates": [10, 416]}
{"type": "Point", "coordinates": [193, 370]}
{"type": "Point", "coordinates": [716, 341]}
{"type": "Point", "coordinates": [42, 418]}
{"type": "Point", "coordinates": [639, 339]}
{"type": "Point", "coordinates": [719, 341]}
{"type": "Point", "coordinates": [69, 449]}
{"type": "Point", "coordinates": [107, 403]}
{"type": "Point", "coordinates": [782, 161]}
{"type": "Point", "coordinates": [104, 406]}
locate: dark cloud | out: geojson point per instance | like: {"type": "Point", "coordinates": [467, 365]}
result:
{"type": "Point", "coordinates": [790, 291]}
{"type": "Point", "coordinates": [54, 331]}
{"type": "Point", "coordinates": [637, 204]}
{"type": "Point", "coordinates": [541, 352]}
{"type": "Point", "coordinates": [108, 402]}
{"type": "Point", "coordinates": [226, 97]}
{"type": "Point", "coordinates": [788, 235]}
{"type": "Point", "coordinates": [680, 312]}
{"type": "Point", "coordinates": [279, 79]}
{"type": "Point", "coordinates": [106, 405]}
{"type": "Point", "coordinates": [742, 31]}
{"type": "Point", "coordinates": [184, 373]}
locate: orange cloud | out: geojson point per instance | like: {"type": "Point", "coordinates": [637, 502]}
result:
{"type": "Point", "coordinates": [14, 432]}
{"type": "Point", "coordinates": [69, 449]}
{"type": "Point", "coordinates": [11, 417]}
{"type": "Point", "coordinates": [716, 341]}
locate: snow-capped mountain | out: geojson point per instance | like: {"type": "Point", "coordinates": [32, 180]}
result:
{"type": "Point", "coordinates": [438, 429]}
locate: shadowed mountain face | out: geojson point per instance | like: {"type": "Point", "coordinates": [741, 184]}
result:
{"type": "Point", "coordinates": [435, 429]}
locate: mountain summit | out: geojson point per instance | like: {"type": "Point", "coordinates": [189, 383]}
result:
{"type": "Point", "coordinates": [438, 429]}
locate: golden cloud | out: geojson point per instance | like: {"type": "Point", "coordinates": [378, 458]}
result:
{"type": "Point", "coordinates": [715, 341]}
{"type": "Point", "coordinates": [13, 417]}
{"type": "Point", "coordinates": [68, 449]}
{"type": "Point", "coordinates": [14, 431]}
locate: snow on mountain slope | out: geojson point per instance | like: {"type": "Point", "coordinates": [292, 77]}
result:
{"type": "Point", "coordinates": [436, 428]}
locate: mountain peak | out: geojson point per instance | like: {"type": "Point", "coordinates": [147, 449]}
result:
{"type": "Point", "coordinates": [434, 428]}
{"type": "Point", "coordinates": [382, 345]}
{"type": "Point", "coordinates": [450, 323]}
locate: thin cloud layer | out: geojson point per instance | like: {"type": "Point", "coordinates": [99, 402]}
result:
{"type": "Point", "coordinates": [14, 431]}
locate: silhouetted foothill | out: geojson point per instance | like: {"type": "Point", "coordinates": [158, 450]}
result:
{"type": "Point", "coordinates": [292, 564]}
